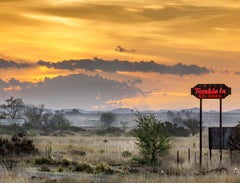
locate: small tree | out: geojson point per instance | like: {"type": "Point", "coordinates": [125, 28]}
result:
{"type": "Point", "coordinates": [108, 118]}
{"type": "Point", "coordinates": [57, 122]}
{"type": "Point", "coordinates": [152, 140]}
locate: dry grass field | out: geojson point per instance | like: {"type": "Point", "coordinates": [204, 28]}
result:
{"type": "Point", "coordinates": [108, 151]}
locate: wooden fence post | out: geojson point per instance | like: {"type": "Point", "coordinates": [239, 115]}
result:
{"type": "Point", "coordinates": [177, 158]}
{"type": "Point", "coordinates": [189, 155]}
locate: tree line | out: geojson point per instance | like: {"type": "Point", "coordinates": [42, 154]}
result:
{"type": "Point", "coordinates": [35, 116]}
{"type": "Point", "coordinates": [186, 128]}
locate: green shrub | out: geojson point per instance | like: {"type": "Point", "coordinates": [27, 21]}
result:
{"type": "Point", "coordinates": [42, 160]}
{"type": "Point", "coordinates": [84, 167]}
{"type": "Point", "coordinates": [45, 168]}
{"type": "Point", "coordinates": [101, 151]}
{"type": "Point", "coordinates": [152, 139]}
{"type": "Point", "coordinates": [126, 154]}
{"type": "Point", "coordinates": [60, 169]}
{"type": "Point", "coordinates": [66, 162]}
{"type": "Point", "coordinates": [103, 168]}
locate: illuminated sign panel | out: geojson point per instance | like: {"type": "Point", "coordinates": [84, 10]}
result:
{"type": "Point", "coordinates": [211, 91]}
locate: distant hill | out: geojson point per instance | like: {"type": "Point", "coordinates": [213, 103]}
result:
{"type": "Point", "coordinates": [234, 111]}
{"type": "Point", "coordinates": [122, 110]}
{"type": "Point", "coordinates": [131, 111]}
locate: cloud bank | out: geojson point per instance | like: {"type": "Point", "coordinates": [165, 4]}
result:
{"type": "Point", "coordinates": [77, 90]}
{"type": "Point", "coordinates": [127, 66]}
{"type": "Point", "coordinates": [5, 64]}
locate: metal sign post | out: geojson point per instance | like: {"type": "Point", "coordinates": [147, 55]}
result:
{"type": "Point", "coordinates": [200, 136]}
{"type": "Point", "coordinates": [210, 91]}
{"type": "Point", "coordinates": [221, 131]}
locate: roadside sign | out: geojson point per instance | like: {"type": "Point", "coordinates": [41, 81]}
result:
{"type": "Point", "coordinates": [210, 91]}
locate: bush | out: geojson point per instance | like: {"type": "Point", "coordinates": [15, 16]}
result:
{"type": "Point", "coordinates": [152, 139]}
{"type": "Point", "coordinates": [60, 169]}
{"type": "Point", "coordinates": [45, 168]}
{"type": "Point", "coordinates": [126, 154]}
{"type": "Point", "coordinates": [42, 160]}
{"type": "Point", "coordinates": [84, 167]}
{"type": "Point", "coordinates": [10, 149]}
{"type": "Point", "coordinates": [66, 162]}
{"type": "Point", "coordinates": [103, 168]}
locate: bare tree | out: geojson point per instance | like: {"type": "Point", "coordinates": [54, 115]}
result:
{"type": "Point", "coordinates": [34, 115]}
{"type": "Point", "coordinates": [13, 107]}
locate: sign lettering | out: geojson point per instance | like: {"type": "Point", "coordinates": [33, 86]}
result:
{"type": "Point", "coordinates": [211, 91]}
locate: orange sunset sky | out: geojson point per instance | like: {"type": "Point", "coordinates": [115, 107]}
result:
{"type": "Point", "coordinates": [100, 55]}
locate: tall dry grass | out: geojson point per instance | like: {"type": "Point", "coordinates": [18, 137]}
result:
{"type": "Point", "coordinates": [109, 150]}
{"type": "Point", "coordinates": [97, 148]}
{"type": "Point", "coordinates": [150, 178]}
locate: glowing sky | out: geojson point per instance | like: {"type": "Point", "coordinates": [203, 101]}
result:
{"type": "Point", "coordinates": [143, 54]}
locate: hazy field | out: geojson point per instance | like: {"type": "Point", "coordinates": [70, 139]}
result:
{"type": "Point", "coordinates": [108, 151]}
{"type": "Point", "coordinates": [209, 119]}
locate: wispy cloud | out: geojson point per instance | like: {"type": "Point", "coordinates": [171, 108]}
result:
{"type": "Point", "coordinates": [117, 65]}
{"type": "Point", "coordinates": [121, 49]}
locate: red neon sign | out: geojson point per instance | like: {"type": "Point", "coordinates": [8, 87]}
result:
{"type": "Point", "coordinates": [211, 91]}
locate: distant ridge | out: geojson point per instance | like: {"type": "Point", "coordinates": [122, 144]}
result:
{"type": "Point", "coordinates": [122, 110]}
{"type": "Point", "coordinates": [129, 111]}
{"type": "Point", "coordinates": [234, 111]}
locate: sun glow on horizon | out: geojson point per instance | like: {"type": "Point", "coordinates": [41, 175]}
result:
{"type": "Point", "coordinates": [195, 34]}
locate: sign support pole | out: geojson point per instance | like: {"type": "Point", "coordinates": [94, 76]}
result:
{"type": "Point", "coordinates": [200, 136]}
{"type": "Point", "coordinates": [221, 132]}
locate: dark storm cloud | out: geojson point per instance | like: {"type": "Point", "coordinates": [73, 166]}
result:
{"type": "Point", "coordinates": [74, 90]}
{"type": "Point", "coordinates": [116, 65]}
{"type": "Point", "coordinates": [5, 64]}
{"type": "Point", "coordinates": [121, 49]}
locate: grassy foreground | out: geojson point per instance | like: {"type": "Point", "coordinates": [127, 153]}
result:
{"type": "Point", "coordinates": [108, 151]}
{"type": "Point", "coordinates": [213, 178]}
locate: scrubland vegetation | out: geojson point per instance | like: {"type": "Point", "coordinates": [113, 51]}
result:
{"type": "Point", "coordinates": [90, 158]}
{"type": "Point", "coordinates": [152, 152]}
